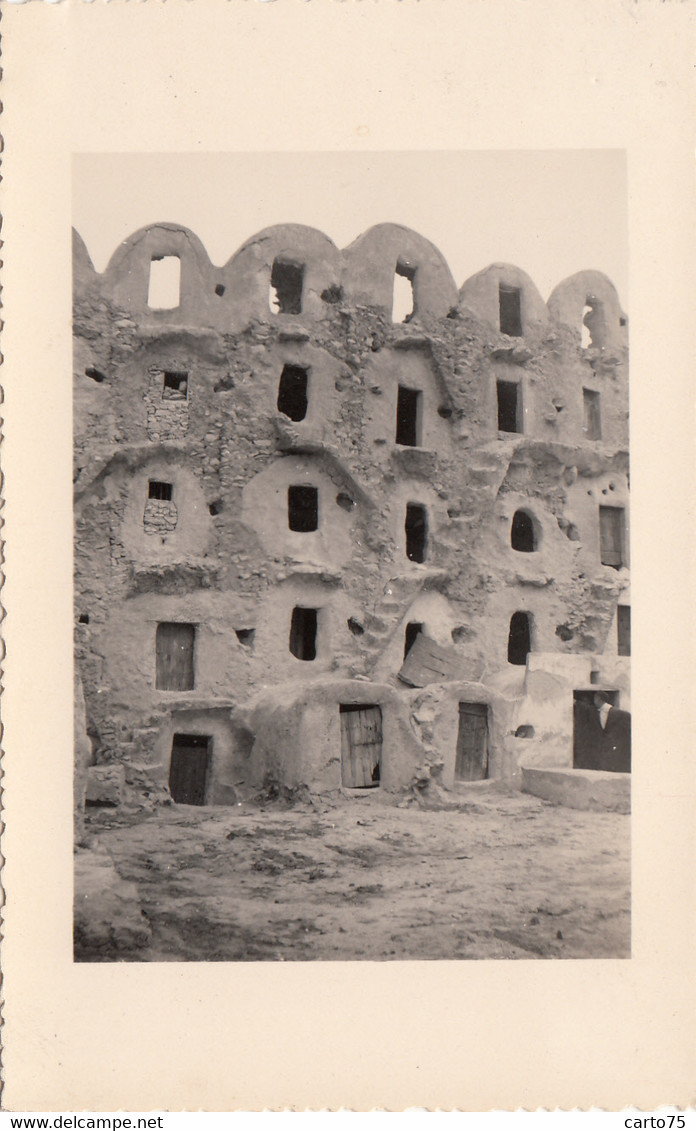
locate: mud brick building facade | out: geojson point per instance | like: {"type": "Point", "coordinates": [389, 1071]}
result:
{"type": "Point", "coordinates": [323, 543]}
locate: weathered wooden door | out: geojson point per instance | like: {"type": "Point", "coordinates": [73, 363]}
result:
{"type": "Point", "coordinates": [612, 536]}
{"type": "Point", "coordinates": [361, 745]}
{"type": "Point", "coordinates": [472, 742]}
{"type": "Point", "coordinates": [188, 771]}
{"type": "Point", "coordinates": [175, 656]}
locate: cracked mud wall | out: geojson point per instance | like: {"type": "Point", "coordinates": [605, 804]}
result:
{"type": "Point", "coordinates": [188, 398]}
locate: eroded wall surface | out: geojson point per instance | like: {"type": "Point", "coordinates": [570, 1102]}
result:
{"type": "Point", "coordinates": [184, 457]}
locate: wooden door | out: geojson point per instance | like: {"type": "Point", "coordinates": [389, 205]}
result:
{"type": "Point", "coordinates": [472, 742]}
{"type": "Point", "coordinates": [188, 772]}
{"type": "Point", "coordinates": [611, 536]}
{"type": "Point", "coordinates": [175, 656]}
{"type": "Point", "coordinates": [361, 745]}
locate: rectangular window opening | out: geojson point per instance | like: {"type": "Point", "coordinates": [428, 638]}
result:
{"type": "Point", "coordinates": [409, 417]}
{"type": "Point", "coordinates": [510, 302]}
{"type": "Point", "coordinates": [174, 648]}
{"type": "Point", "coordinates": [592, 424]}
{"type": "Point", "coordinates": [164, 286]}
{"type": "Point", "coordinates": [292, 392]}
{"type": "Point", "coordinates": [303, 509]}
{"type": "Point", "coordinates": [509, 406]}
{"type": "Point", "coordinates": [623, 628]}
{"type": "Point", "coordinates": [287, 281]}
{"type": "Point", "coordinates": [403, 302]}
{"type": "Point", "coordinates": [416, 527]}
{"type": "Point", "coordinates": [174, 386]}
{"type": "Point", "coordinates": [303, 633]}
{"type": "Point", "coordinates": [612, 536]}
{"type": "Point", "coordinates": [158, 490]}
{"type": "Point", "coordinates": [413, 630]}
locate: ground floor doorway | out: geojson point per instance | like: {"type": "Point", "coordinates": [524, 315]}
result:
{"type": "Point", "coordinates": [472, 743]}
{"type": "Point", "coordinates": [189, 768]}
{"type": "Point", "coordinates": [361, 745]}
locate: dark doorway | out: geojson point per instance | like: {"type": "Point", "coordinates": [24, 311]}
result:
{"type": "Point", "coordinates": [361, 745]}
{"type": "Point", "coordinates": [612, 536]}
{"type": "Point", "coordinates": [408, 417]}
{"type": "Point", "coordinates": [292, 392]}
{"type": "Point", "coordinates": [303, 509]}
{"type": "Point", "coordinates": [509, 413]}
{"type": "Point", "coordinates": [623, 628]}
{"type": "Point", "coordinates": [303, 633]}
{"type": "Point", "coordinates": [174, 648]}
{"type": "Point", "coordinates": [510, 302]}
{"type": "Point", "coordinates": [522, 533]}
{"type": "Point", "coordinates": [287, 280]}
{"type": "Point", "coordinates": [596, 747]}
{"type": "Point", "coordinates": [188, 771]}
{"type": "Point", "coordinates": [416, 527]}
{"type": "Point", "coordinates": [519, 638]}
{"type": "Point", "coordinates": [472, 743]}
{"type": "Point", "coordinates": [413, 629]}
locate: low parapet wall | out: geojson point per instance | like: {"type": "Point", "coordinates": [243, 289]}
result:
{"type": "Point", "coordinates": [580, 789]}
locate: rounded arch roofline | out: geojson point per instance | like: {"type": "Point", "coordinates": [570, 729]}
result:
{"type": "Point", "coordinates": [81, 255]}
{"type": "Point", "coordinates": [503, 272]}
{"type": "Point", "coordinates": [371, 260]}
{"type": "Point", "coordinates": [608, 321]}
{"type": "Point", "coordinates": [480, 294]}
{"type": "Point", "coordinates": [589, 280]}
{"type": "Point", "coordinates": [363, 273]}
{"type": "Point", "coordinates": [84, 272]}
{"type": "Point", "coordinates": [304, 234]}
{"type": "Point", "coordinates": [160, 232]}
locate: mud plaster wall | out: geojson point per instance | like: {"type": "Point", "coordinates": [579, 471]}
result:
{"type": "Point", "coordinates": [229, 757]}
{"type": "Point", "coordinates": [298, 733]}
{"type": "Point", "coordinates": [222, 556]}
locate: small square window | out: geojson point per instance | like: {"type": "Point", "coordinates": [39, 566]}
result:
{"type": "Point", "coordinates": [159, 490]}
{"type": "Point", "coordinates": [174, 386]}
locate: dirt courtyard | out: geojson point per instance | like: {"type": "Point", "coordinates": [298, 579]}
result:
{"type": "Point", "coordinates": [503, 875]}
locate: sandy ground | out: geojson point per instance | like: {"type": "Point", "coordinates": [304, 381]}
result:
{"type": "Point", "coordinates": [505, 875]}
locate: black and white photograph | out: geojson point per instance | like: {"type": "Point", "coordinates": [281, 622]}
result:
{"type": "Point", "coordinates": [347, 684]}
{"type": "Point", "coordinates": [352, 605]}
